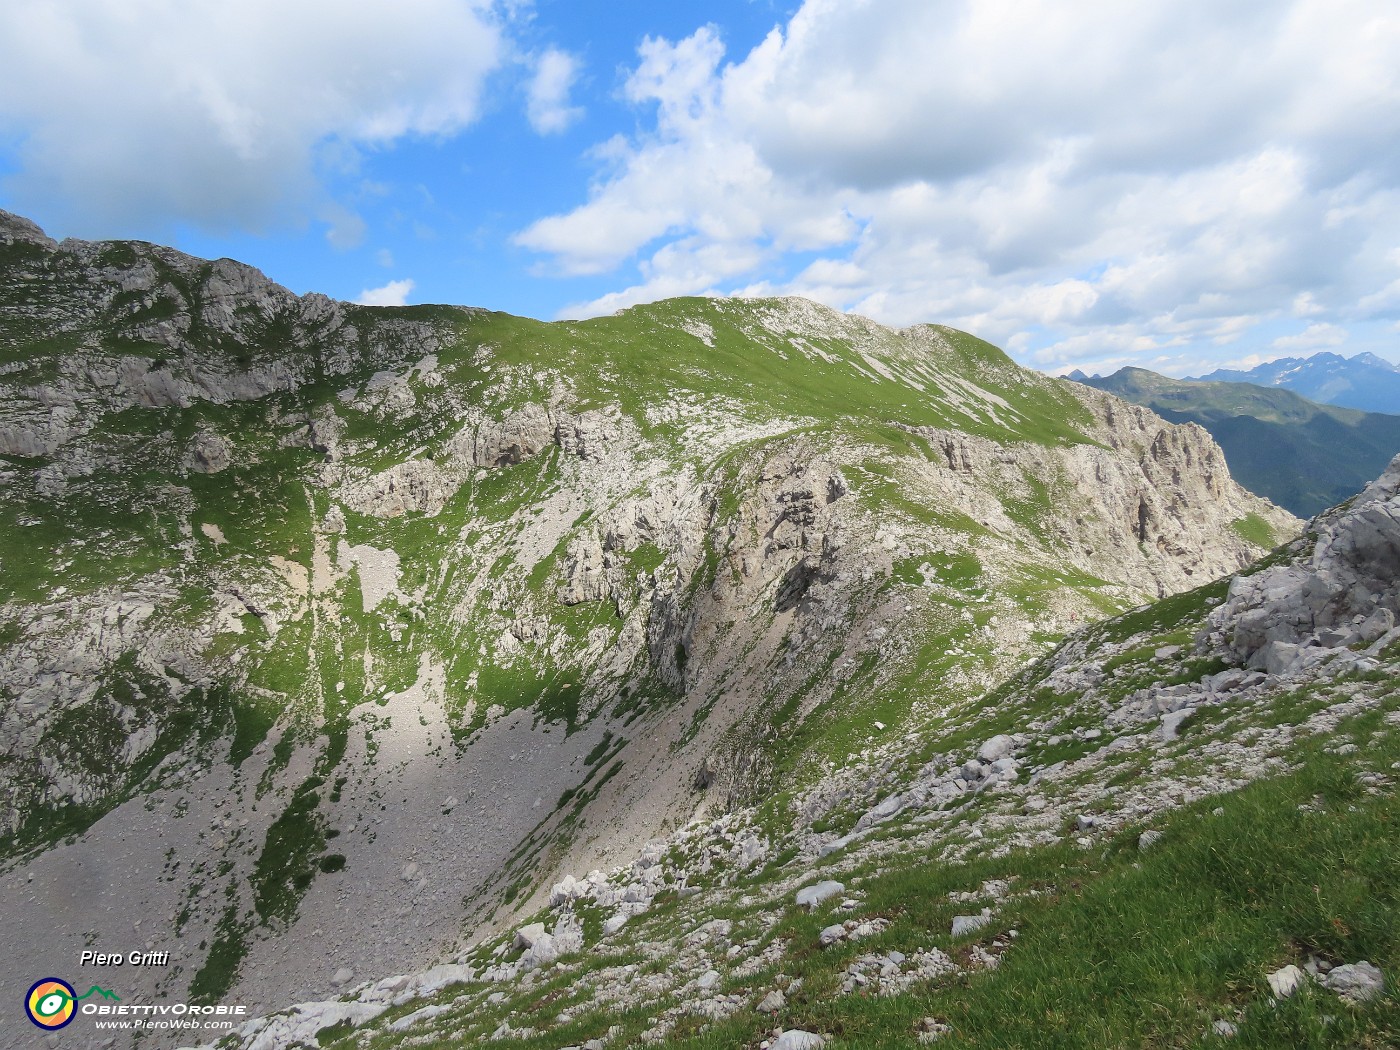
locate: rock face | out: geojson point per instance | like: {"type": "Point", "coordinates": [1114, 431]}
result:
{"type": "Point", "coordinates": [1346, 593]}
{"type": "Point", "coordinates": [298, 574]}
{"type": "Point", "coordinates": [15, 228]}
{"type": "Point", "coordinates": [1157, 501]}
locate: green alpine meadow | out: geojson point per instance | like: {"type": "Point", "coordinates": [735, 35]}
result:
{"type": "Point", "coordinates": [725, 672]}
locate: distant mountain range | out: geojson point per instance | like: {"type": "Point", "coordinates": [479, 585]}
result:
{"type": "Point", "coordinates": [1303, 455]}
{"type": "Point", "coordinates": [1365, 381]}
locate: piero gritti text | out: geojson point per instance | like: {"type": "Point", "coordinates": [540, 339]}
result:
{"type": "Point", "coordinates": [90, 958]}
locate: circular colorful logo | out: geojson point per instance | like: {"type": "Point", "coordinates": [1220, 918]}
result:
{"type": "Point", "coordinates": [49, 1003]}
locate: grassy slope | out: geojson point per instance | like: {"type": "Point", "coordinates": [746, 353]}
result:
{"type": "Point", "coordinates": [1303, 455]}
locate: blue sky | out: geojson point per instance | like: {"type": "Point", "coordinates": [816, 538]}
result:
{"type": "Point", "coordinates": [1177, 184]}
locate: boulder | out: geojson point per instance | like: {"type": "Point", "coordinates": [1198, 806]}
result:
{"type": "Point", "coordinates": [1355, 982]}
{"type": "Point", "coordinates": [963, 924]}
{"type": "Point", "coordinates": [528, 936]}
{"type": "Point", "coordinates": [810, 896]}
{"type": "Point", "coordinates": [1148, 839]}
{"type": "Point", "coordinates": [774, 1002]}
{"type": "Point", "coordinates": [1286, 982]}
{"type": "Point", "coordinates": [996, 748]}
{"type": "Point", "coordinates": [832, 934]}
{"type": "Point", "coordinates": [209, 453]}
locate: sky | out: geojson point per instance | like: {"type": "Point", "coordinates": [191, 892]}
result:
{"type": "Point", "coordinates": [1175, 184]}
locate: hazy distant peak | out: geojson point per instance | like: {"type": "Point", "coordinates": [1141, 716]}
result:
{"type": "Point", "coordinates": [1365, 381]}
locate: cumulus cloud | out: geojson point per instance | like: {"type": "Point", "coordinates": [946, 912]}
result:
{"type": "Point", "coordinates": [395, 293]}
{"type": "Point", "coordinates": [1155, 178]}
{"type": "Point", "coordinates": [224, 115]}
{"type": "Point", "coordinates": [547, 99]}
{"type": "Point", "coordinates": [1312, 338]}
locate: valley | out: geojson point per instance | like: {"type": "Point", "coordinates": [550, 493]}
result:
{"type": "Point", "coordinates": [464, 677]}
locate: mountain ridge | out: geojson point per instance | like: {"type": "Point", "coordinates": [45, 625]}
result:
{"type": "Point", "coordinates": [1364, 381]}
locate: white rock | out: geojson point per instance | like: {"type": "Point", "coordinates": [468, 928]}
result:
{"type": "Point", "coordinates": [888, 808]}
{"type": "Point", "coordinates": [1225, 1029]}
{"type": "Point", "coordinates": [1148, 839]}
{"type": "Point", "coordinates": [968, 923]}
{"type": "Point", "coordinates": [409, 1020]}
{"type": "Point", "coordinates": [931, 1030]}
{"type": "Point", "coordinates": [568, 935]}
{"type": "Point", "coordinates": [300, 1024]}
{"type": "Point", "coordinates": [541, 953]}
{"type": "Point", "coordinates": [1170, 725]}
{"type": "Point", "coordinates": [832, 934]}
{"type": "Point", "coordinates": [797, 1039]}
{"type": "Point", "coordinates": [810, 896]}
{"type": "Point", "coordinates": [998, 747]}
{"type": "Point", "coordinates": [566, 890]}
{"type": "Point", "coordinates": [1286, 982]}
{"type": "Point", "coordinates": [708, 980]}
{"type": "Point", "coordinates": [837, 844]}
{"type": "Point", "coordinates": [342, 977]}
{"type": "Point", "coordinates": [430, 982]}
{"type": "Point", "coordinates": [772, 1003]}
{"type": "Point", "coordinates": [529, 936]}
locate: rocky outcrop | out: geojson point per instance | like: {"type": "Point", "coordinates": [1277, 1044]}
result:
{"type": "Point", "coordinates": [584, 571]}
{"type": "Point", "coordinates": [424, 486]}
{"type": "Point", "coordinates": [1152, 499]}
{"type": "Point", "coordinates": [419, 486]}
{"type": "Point", "coordinates": [1345, 593]}
{"type": "Point", "coordinates": [528, 430]}
{"type": "Point", "coordinates": [209, 453]}
{"type": "Point", "coordinates": [18, 229]}
{"type": "Point", "coordinates": [521, 435]}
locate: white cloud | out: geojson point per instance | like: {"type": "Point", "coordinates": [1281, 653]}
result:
{"type": "Point", "coordinates": [220, 114]}
{"type": "Point", "coordinates": [344, 228]}
{"type": "Point", "coordinates": [1305, 304]}
{"type": "Point", "coordinates": [1132, 178]}
{"type": "Point", "coordinates": [1315, 337]}
{"type": "Point", "coordinates": [547, 99]}
{"type": "Point", "coordinates": [395, 293]}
